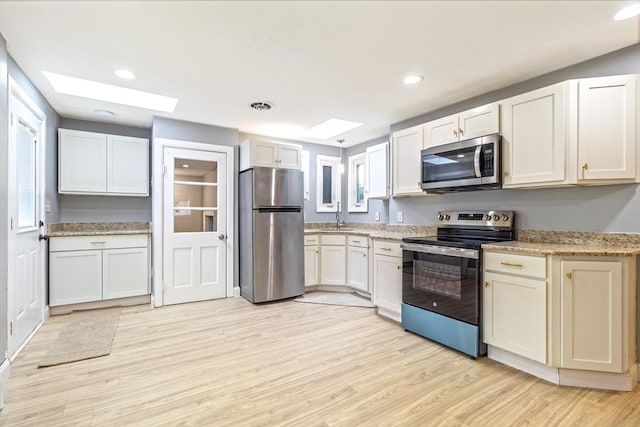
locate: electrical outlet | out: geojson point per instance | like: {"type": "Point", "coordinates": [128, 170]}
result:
{"type": "Point", "coordinates": [377, 216]}
{"type": "Point", "coordinates": [47, 206]}
{"type": "Point", "coordinates": [400, 216]}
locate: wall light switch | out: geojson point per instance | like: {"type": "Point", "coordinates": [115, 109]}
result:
{"type": "Point", "coordinates": [47, 206]}
{"type": "Point", "coordinates": [377, 216]}
{"type": "Point", "coordinates": [400, 216]}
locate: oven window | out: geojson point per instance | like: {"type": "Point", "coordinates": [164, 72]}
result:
{"type": "Point", "coordinates": [441, 279]}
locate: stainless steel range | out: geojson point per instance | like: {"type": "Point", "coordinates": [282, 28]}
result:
{"type": "Point", "coordinates": [441, 277]}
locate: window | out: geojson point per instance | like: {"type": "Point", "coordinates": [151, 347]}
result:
{"type": "Point", "coordinates": [328, 183]}
{"type": "Point", "coordinates": [357, 172]}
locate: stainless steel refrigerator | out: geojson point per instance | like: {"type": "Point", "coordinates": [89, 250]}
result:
{"type": "Point", "coordinates": [271, 231]}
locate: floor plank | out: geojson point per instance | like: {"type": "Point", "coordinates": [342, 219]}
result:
{"type": "Point", "coordinates": [231, 363]}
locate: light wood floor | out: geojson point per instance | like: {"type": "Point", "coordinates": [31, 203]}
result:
{"type": "Point", "coordinates": [230, 363]}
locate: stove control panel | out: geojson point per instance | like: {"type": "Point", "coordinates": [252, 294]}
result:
{"type": "Point", "coordinates": [476, 218]}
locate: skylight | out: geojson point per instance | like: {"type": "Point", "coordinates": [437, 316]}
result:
{"type": "Point", "coordinates": [331, 128]}
{"type": "Point", "coordinates": [103, 92]}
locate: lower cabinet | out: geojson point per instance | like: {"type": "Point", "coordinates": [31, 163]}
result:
{"type": "Point", "coordinates": [333, 269]}
{"type": "Point", "coordinates": [311, 260]}
{"type": "Point", "coordinates": [358, 263]}
{"type": "Point", "coordinates": [387, 278]}
{"type": "Point", "coordinates": [94, 268]}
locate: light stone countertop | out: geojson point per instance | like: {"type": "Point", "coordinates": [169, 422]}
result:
{"type": "Point", "coordinates": [65, 229]}
{"type": "Point", "coordinates": [536, 248]}
{"type": "Point", "coordinates": [375, 231]}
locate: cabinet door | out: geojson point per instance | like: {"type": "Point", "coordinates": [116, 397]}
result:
{"type": "Point", "coordinates": [332, 265]}
{"type": "Point", "coordinates": [377, 180]}
{"type": "Point", "coordinates": [82, 162]}
{"type": "Point", "coordinates": [387, 283]}
{"type": "Point", "coordinates": [358, 266]}
{"type": "Point", "coordinates": [534, 137]}
{"type": "Point", "coordinates": [311, 258]}
{"type": "Point", "coordinates": [515, 315]}
{"type": "Point", "coordinates": [264, 154]}
{"type": "Point", "coordinates": [591, 315]}
{"type": "Point", "coordinates": [127, 165]}
{"type": "Point", "coordinates": [74, 277]}
{"type": "Point", "coordinates": [479, 121]}
{"type": "Point", "coordinates": [407, 164]}
{"type": "Point", "coordinates": [125, 272]}
{"type": "Point", "coordinates": [441, 131]}
{"type": "Point", "coordinates": [607, 118]}
{"type": "Point", "coordinates": [289, 156]}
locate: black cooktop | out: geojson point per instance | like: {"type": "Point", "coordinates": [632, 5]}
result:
{"type": "Point", "coordinates": [455, 242]}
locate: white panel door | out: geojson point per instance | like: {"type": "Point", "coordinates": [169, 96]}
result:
{"type": "Point", "coordinates": [125, 272]}
{"type": "Point", "coordinates": [479, 121]}
{"type": "Point", "coordinates": [358, 266]}
{"type": "Point", "coordinates": [264, 154]}
{"type": "Point", "coordinates": [127, 165]}
{"type": "Point", "coordinates": [387, 283]}
{"type": "Point", "coordinates": [82, 162]}
{"type": "Point", "coordinates": [25, 267]}
{"type": "Point", "coordinates": [407, 164]}
{"type": "Point", "coordinates": [377, 180]}
{"type": "Point", "coordinates": [311, 262]}
{"type": "Point", "coordinates": [75, 276]}
{"type": "Point", "coordinates": [607, 120]}
{"type": "Point", "coordinates": [195, 229]}
{"type": "Point", "coordinates": [441, 131]}
{"type": "Point", "coordinates": [333, 265]}
{"type": "Point", "coordinates": [289, 156]}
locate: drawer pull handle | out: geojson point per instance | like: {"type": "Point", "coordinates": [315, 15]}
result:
{"type": "Point", "coordinates": [486, 284]}
{"type": "Point", "coordinates": [98, 243]}
{"type": "Point", "coordinates": [398, 267]}
{"type": "Point", "coordinates": [511, 264]}
{"type": "Point", "coordinates": [386, 249]}
{"type": "Point", "coordinates": [356, 241]}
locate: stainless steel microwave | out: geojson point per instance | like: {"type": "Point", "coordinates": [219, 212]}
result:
{"type": "Point", "coordinates": [474, 164]}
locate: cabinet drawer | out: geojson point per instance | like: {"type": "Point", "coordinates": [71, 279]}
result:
{"type": "Point", "coordinates": [383, 247]}
{"type": "Point", "coordinates": [311, 240]}
{"type": "Point", "coordinates": [358, 241]}
{"type": "Point", "coordinates": [81, 243]}
{"type": "Point", "coordinates": [525, 265]}
{"type": "Point", "coordinates": [333, 239]}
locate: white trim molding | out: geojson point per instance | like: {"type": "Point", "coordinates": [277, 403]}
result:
{"type": "Point", "coordinates": [5, 370]}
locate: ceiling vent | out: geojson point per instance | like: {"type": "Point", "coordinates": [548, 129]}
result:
{"type": "Point", "coordinates": [261, 105]}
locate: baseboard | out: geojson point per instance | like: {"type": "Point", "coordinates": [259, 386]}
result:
{"type": "Point", "coordinates": [600, 380]}
{"type": "Point", "coordinates": [117, 302]}
{"type": "Point", "coordinates": [391, 313]}
{"type": "Point", "coordinates": [5, 370]}
{"type": "Point", "coordinates": [330, 288]}
{"type": "Point", "coordinates": [236, 291]}
{"type": "Point", "coordinates": [521, 363]}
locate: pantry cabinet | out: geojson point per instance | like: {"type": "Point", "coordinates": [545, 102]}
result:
{"type": "Point", "coordinates": [480, 121]}
{"type": "Point", "coordinates": [387, 278]}
{"type": "Point", "coordinates": [578, 132]}
{"type": "Point", "coordinates": [102, 164]}
{"type": "Point", "coordinates": [514, 304]}
{"type": "Point", "coordinates": [270, 154]}
{"type": "Point", "coordinates": [95, 268]}
{"type": "Point", "coordinates": [311, 260]}
{"type": "Point", "coordinates": [407, 164]}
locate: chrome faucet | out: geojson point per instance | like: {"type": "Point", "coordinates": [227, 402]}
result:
{"type": "Point", "coordinates": [338, 222]}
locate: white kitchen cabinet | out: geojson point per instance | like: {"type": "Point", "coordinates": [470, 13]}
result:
{"type": "Point", "coordinates": [270, 154]}
{"type": "Point", "coordinates": [306, 170]}
{"type": "Point", "coordinates": [407, 163]}
{"type": "Point", "coordinates": [311, 260]}
{"type": "Point", "coordinates": [579, 132]}
{"type": "Point", "coordinates": [333, 269]}
{"type": "Point", "coordinates": [101, 164]}
{"type": "Point", "coordinates": [606, 128]}
{"type": "Point", "coordinates": [592, 315]}
{"type": "Point", "coordinates": [95, 268]}
{"type": "Point", "coordinates": [534, 138]}
{"type": "Point", "coordinates": [377, 180]}
{"type": "Point", "coordinates": [480, 121]}
{"type": "Point", "coordinates": [387, 278]}
{"type": "Point", "coordinates": [514, 307]}
{"type": "Point", "coordinates": [358, 263]}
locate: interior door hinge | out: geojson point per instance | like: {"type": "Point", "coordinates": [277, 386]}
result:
{"type": "Point", "coordinates": [10, 328]}
{"type": "Point", "coordinates": [11, 119]}
{"type": "Point", "coordinates": [164, 170]}
{"type": "Point", "coordinates": [11, 224]}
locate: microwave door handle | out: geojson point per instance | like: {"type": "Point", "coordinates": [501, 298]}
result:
{"type": "Point", "coordinates": [476, 161]}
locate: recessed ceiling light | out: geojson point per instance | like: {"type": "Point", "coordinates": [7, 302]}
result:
{"type": "Point", "coordinates": [109, 93]}
{"type": "Point", "coordinates": [412, 79]}
{"type": "Point", "coordinates": [104, 113]}
{"type": "Point", "coordinates": [331, 128]}
{"type": "Point", "coordinates": [125, 74]}
{"type": "Point", "coordinates": [627, 12]}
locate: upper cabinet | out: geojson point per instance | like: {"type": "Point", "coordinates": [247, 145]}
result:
{"type": "Point", "coordinates": [472, 123]}
{"type": "Point", "coordinates": [406, 168]}
{"type": "Point", "coordinates": [101, 164]}
{"type": "Point", "coordinates": [270, 154]}
{"type": "Point", "coordinates": [575, 132]}
{"type": "Point", "coordinates": [377, 179]}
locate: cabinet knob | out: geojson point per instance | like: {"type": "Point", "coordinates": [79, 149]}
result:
{"type": "Point", "coordinates": [585, 166]}
{"type": "Point", "coordinates": [364, 255]}
{"type": "Point", "coordinates": [486, 284]}
{"type": "Point", "coordinates": [455, 132]}
{"type": "Point", "coordinates": [506, 173]}
{"type": "Point", "coordinates": [398, 267]}
{"type": "Point", "coordinates": [460, 131]}
{"type": "Point", "coordinates": [316, 251]}
{"type": "Point", "coordinates": [569, 276]}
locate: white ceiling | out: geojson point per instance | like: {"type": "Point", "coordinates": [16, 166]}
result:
{"type": "Point", "coordinates": [314, 60]}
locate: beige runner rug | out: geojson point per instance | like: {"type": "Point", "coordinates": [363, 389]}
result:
{"type": "Point", "coordinates": [335, 298]}
{"type": "Point", "coordinates": [87, 334]}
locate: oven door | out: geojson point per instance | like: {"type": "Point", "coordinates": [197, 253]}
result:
{"type": "Point", "coordinates": [443, 280]}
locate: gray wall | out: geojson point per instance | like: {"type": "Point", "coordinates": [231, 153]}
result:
{"type": "Point", "coordinates": [81, 208]}
{"type": "Point", "coordinates": [614, 208]}
{"type": "Point", "coordinates": [4, 195]}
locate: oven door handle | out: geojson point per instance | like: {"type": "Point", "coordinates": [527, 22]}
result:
{"type": "Point", "coordinates": [441, 250]}
{"type": "Point", "coordinates": [476, 161]}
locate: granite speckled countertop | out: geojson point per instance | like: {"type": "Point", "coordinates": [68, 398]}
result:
{"type": "Point", "coordinates": [562, 249]}
{"type": "Point", "coordinates": [373, 230]}
{"type": "Point", "coordinates": [97, 228]}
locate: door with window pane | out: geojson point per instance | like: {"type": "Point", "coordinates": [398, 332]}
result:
{"type": "Point", "coordinates": [194, 225]}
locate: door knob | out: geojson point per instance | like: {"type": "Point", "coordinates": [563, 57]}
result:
{"type": "Point", "coordinates": [221, 236]}
{"type": "Point", "coordinates": [43, 237]}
